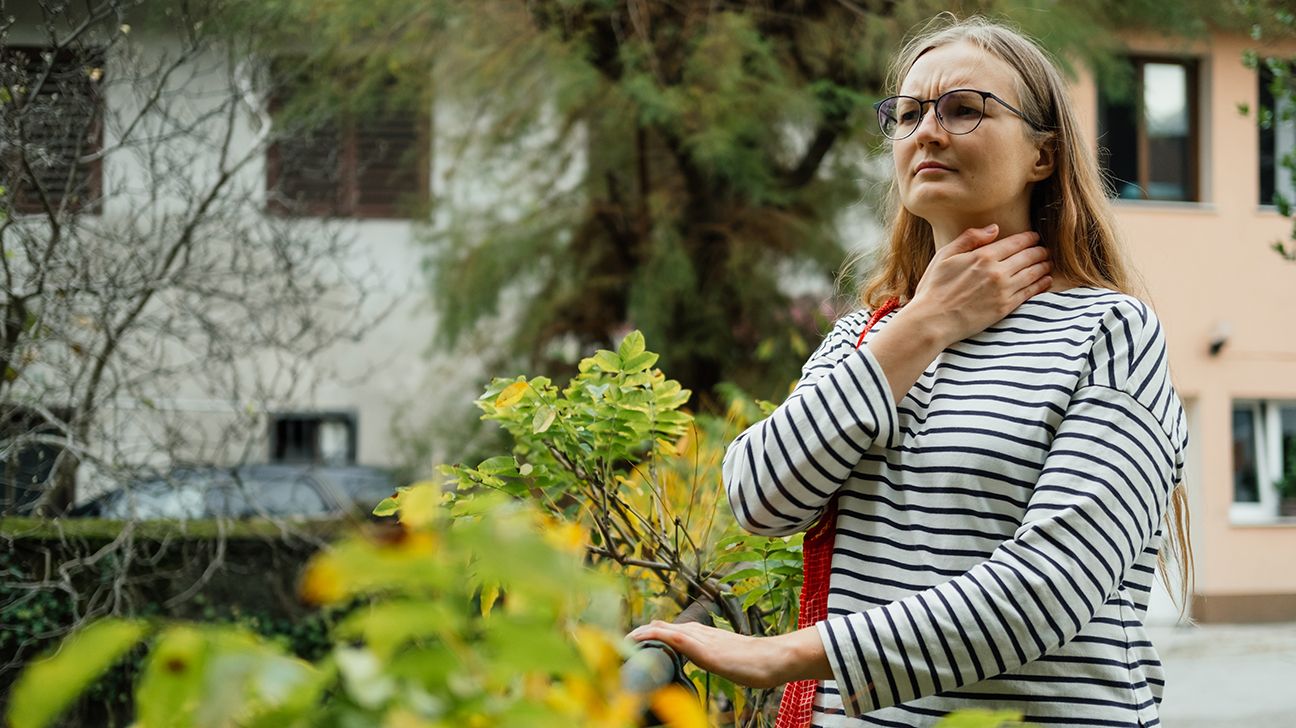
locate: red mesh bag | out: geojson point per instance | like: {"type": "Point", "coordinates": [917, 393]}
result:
{"type": "Point", "coordinates": [816, 553]}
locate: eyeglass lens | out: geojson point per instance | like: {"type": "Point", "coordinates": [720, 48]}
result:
{"type": "Point", "coordinates": [959, 112]}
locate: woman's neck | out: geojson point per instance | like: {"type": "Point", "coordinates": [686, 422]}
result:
{"type": "Point", "coordinates": [945, 230]}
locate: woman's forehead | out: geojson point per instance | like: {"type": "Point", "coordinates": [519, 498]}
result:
{"type": "Point", "coordinates": [957, 65]}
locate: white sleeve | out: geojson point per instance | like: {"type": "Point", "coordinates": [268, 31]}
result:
{"type": "Point", "coordinates": [780, 473]}
{"type": "Point", "coordinates": [1099, 502]}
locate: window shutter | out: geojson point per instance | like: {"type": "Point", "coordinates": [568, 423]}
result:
{"type": "Point", "coordinates": [59, 125]}
{"type": "Point", "coordinates": [305, 172]}
{"type": "Point", "coordinates": [372, 166]}
{"type": "Point", "coordinates": [389, 156]}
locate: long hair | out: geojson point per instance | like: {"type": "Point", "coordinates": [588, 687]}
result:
{"type": "Point", "coordinates": [1069, 209]}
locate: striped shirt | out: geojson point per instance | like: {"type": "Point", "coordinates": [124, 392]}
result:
{"type": "Point", "coordinates": [997, 532]}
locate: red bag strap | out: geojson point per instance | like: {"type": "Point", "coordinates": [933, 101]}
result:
{"type": "Point", "coordinates": [816, 553]}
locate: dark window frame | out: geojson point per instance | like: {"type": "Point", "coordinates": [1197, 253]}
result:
{"type": "Point", "coordinates": [1268, 152]}
{"type": "Point", "coordinates": [351, 134]}
{"type": "Point", "coordinates": [1193, 173]}
{"type": "Point", "coordinates": [24, 201]}
{"type": "Point", "coordinates": [27, 470]}
{"type": "Point", "coordinates": [277, 446]}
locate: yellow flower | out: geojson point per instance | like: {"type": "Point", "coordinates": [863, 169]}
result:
{"type": "Point", "coordinates": [323, 581]}
{"type": "Point", "coordinates": [678, 708]}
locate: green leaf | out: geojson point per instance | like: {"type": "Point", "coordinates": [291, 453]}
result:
{"type": "Point", "coordinates": [47, 687]}
{"type": "Point", "coordinates": [741, 574]}
{"type": "Point", "coordinates": [386, 507]}
{"type": "Point", "coordinates": [632, 345]}
{"type": "Point", "coordinates": [544, 417]}
{"type": "Point", "coordinates": [733, 556]}
{"type": "Point", "coordinates": [171, 687]}
{"type": "Point", "coordinates": [608, 361]}
{"type": "Point", "coordinates": [639, 362]}
{"type": "Point", "coordinates": [498, 465]}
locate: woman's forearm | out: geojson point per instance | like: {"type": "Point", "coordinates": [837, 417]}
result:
{"type": "Point", "coordinates": [801, 656]}
{"type": "Point", "coordinates": [905, 346]}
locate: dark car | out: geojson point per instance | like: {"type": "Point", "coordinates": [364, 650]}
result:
{"type": "Point", "coordinates": [247, 491]}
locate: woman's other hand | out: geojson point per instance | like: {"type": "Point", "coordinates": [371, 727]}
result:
{"type": "Point", "coordinates": [977, 280]}
{"type": "Point", "coordinates": [757, 662]}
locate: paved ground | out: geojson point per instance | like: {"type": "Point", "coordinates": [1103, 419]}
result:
{"type": "Point", "coordinates": [1219, 676]}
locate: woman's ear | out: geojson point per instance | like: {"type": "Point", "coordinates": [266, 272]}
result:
{"type": "Point", "coordinates": [1045, 159]}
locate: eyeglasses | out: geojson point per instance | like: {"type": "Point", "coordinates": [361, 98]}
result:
{"type": "Point", "coordinates": [959, 112]}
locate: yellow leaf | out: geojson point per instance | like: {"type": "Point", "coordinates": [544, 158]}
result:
{"type": "Point", "coordinates": [511, 395]}
{"type": "Point", "coordinates": [421, 506]}
{"type": "Point", "coordinates": [599, 653]}
{"type": "Point", "coordinates": [678, 708]}
{"type": "Point", "coordinates": [405, 718]}
{"type": "Point", "coordinates": [564, 535]}
{"type": "Point", "coordinates": [489, 593]}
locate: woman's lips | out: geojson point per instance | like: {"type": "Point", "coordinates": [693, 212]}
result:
{"type": "Point", "coordinates": [933, 169]}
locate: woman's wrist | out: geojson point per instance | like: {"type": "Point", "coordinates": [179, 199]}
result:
{"type": "Point", "coordinates": [927, 328]}
{"type": "Point", "coordinates": [800, 655]}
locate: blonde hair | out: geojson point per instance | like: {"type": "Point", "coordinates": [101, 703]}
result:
{"type": "Point", "coordinates": [1070, 209]}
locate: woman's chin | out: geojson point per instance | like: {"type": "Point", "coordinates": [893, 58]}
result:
{"type": "Point", "coordinates": [931, 204]}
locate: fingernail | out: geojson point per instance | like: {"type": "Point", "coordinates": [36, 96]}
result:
{"type": "Point", "coordinates": [989, 228]}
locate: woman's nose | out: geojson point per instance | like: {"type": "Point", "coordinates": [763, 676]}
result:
{"type": "Point", "coordinates": [929, 130]}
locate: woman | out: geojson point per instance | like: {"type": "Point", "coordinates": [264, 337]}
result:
{"type": "Point", "coordinates": [1003, 452]}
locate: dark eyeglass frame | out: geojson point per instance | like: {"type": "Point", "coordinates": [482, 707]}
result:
{"type": "Point", "coordinates": [922, 111]}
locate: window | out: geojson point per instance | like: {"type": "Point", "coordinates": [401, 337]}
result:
{"type": "Point", "coordinates": [51, 126]}
{"type": "Point", "coordinates": [1264, 455]}
{"type": "Point", "coordinates": [326, 438]}
{"type": "Point", "coordinates": [375, 166]}
{"type": "Point", "coordinates": [1277, 142]}
{"type": "Point", "coordinates": [1148, 139]}
{"type": "Point", "coordinates": [27, 464]}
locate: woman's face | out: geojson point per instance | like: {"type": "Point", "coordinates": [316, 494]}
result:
{"type": "Point", "coordinates": [992, 168]}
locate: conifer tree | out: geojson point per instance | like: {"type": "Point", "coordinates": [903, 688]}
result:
{"type": "Point", "coordinates": [715, 148]}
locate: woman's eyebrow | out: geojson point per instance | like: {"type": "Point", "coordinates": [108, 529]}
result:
{"type": "Point", "coordinates": [945, 88]}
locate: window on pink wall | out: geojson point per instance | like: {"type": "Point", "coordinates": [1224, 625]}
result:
{"type": "Point", "coordinates": [1277, 138]}
{"type": "Point", "coordinates": [1264, 460]}
{"type": "Point", "coordinates": [1148, 141]}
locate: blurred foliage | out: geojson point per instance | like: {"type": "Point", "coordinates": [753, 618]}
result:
{"type": "Point", "coordinates": [500, 602]}
{"type": "Point", "coordinates": [56, 574]}
{"type": "Point", "coordinates": [429, 649]}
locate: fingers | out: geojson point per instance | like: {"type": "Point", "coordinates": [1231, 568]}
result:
{"type": "Point", "coordinates": [1034, 261]}
{"type": "Point", "coordinates": [973, 238]}
{"type": "Point", "coordinates": [1034, 289]}
{"type": "Point", "coordinates": [1006, 248]}
{"type": "Point", "coordinates": [675, 635]}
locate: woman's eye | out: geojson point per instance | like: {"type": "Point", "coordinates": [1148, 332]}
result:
{"type": "Point", "coordinates": [965, 111]}
{"type": "Point", "coordinates": [908, 116]}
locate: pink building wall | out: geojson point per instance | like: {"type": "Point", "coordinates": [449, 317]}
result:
{"type": "Point", "coordinates": [1207, 262]}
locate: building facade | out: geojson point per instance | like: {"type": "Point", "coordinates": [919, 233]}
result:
{"type": "Point", "coordinates": [1196, 177]}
